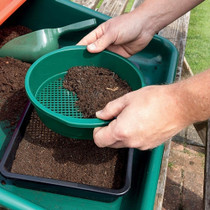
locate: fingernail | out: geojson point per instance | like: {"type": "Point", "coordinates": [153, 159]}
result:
{"type": "Point", "coordinates": [98, 113]}
{"type": "Point", "coordinates": [92, 46]}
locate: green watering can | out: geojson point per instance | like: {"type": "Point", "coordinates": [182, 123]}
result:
{"type": "Point", "coordinates": [33, 45]}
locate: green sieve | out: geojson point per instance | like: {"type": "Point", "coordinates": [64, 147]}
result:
{"type": "Point", "coordinates": [54, 104]}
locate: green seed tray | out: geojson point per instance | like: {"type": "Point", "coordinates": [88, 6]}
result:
{"type": "Point", "coordinates": [158, 64]}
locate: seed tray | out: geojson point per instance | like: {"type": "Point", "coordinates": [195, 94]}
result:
{"type": "Point", "coordinates": [53, 185]}
{"type": "Point", "coordinates": [158, 63]}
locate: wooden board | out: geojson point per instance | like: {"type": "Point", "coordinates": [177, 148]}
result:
{"type": "Point", "coordinates": [113, 8]}
{"type": "Point", "coordinates": [88, 3]}
{"type": "Point", "coordinates": [207, 171]}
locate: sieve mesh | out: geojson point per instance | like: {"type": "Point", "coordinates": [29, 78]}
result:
{"type": "Point", "coordinates": [56, 98]}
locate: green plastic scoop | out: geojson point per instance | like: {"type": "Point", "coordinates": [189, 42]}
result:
{"type": "Point", "coordinates": [33, 45]}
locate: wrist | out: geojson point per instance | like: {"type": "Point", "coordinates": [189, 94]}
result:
{"type": "Point", "coordinates": [158, 14]}
{"type": "Point", "coordinates": [193, 98]}
{"type": "Point", "coordinates": [182, 104]}
{"type": "Point", "coordinates": [146, 20]}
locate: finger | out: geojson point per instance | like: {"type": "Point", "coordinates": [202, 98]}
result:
{"type": "Point", "coordinates": [101, 43]}
{"type": "Point", "coordinates": [119, 50]}
{"type": "Point", "coordinates": [113, 108]}
{"type": "Point", "coordinates": [103, 136]}
{"type": "Point", "coordinates": [98, 40]}
{"type": "Point", "coordinates": [91, 37]}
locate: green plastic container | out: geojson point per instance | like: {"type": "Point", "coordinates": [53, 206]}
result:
{"type": "Point", "coordinates": [157, 63]}
{"type": "Point", "coordinates": [54, 104]}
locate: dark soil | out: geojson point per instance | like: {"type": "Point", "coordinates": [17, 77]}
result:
{"type": "Point", "coordinates": [94, 87]}
{"type": "Point", "coordinates": [9, 33]}
{"type": "Point", "coordinates": [44, 153]}
{"type": "Point", "coordinates": [13, 97]}
{"type": "Point", "coordinates": [12, 74]}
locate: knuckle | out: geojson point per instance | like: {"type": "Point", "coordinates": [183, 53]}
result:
{"type": "Point", "coordinates": [108, 106]}
{"type": "Point", "coordinates": [132, 144]}
{"type": "Point", "coordinates": [97, 139]}
{"type": "Point", "coordinates": [121, 133]}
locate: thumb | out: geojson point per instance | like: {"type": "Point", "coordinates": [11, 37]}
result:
{"type": "Point", "coordinates": [100, 44]}
{"type": "Point", "coordinates": [112, 109]}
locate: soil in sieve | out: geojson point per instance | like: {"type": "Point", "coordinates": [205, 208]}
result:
{"type": "Point", "coordinates": [94, 87]}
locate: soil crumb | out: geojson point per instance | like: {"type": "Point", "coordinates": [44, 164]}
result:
{"type": "Point", "coordinates": [43, 153]}
{"type": "Point", "coordinates": [95, 87]}
{"type": "Point", "coordinates": [11, 32]}
{"type": "Point", "coordinates": [13, 98]}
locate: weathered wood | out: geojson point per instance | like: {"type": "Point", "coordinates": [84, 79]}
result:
{"type": "Point", "coordinates": [201, 128]}
{"type": "Point", "coordinates": [136, 3]}
{"type": "Point", "coordinates": [88, 3]}
{"type": "Point", "coordinates": [207, 171]}
{"type": "Point", "coordinates": [162, 177]}
{"type": "Point", "coordinates": [176, 32]}
{"type": "Point", "coordinates": [113, 8]}
{"type": "Point", "coordinates": [186, 70]}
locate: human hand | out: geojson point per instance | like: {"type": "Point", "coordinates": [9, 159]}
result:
{"type": "Point", "coordinates": [125, 35]}
{"type": "Point", "coordinates": [130, 33]}
{"type": "Point", "coordinates": [144, 119]}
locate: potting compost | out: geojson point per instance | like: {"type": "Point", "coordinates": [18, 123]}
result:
{"type": "Point", "coordinates": [13, 97]}
{"type": "Point", "coordinates": [11, 32]}
{"type": "Point", "coordinates": [12, 74]}
{"type": "Point", "coordinates": [44, 153]}
{"type": "Point", "coordinates": [95, 87]}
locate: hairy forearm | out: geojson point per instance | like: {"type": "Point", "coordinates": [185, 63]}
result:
{"type": "Point", "coordinates": [193, 97]}
{"type": "Point", "coordinates": [159, 14]}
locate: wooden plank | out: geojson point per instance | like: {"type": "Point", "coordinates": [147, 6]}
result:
{"type": "Point", "coordinates": [176, 32]}
{"type": "Point", "coordinates": [88, 3]}
{"type": "Point", "coordinates": [136, 3]}
{"type": "Point", "coordinates": [201, 128]}
{"type": "Point", "coordinates": [113, 8]}
{"type": "Point", "coordinates": [207, 171]}
{"type": "Point", "coordinates": [186, 70]}
{"type": "Point", "coordinates": [162, 178]}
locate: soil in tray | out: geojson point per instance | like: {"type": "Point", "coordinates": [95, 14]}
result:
{"type": "Point", "coordinates": [44, 153]}
{"type": "Point", "coordinates": [94, 87]}
{"type": "Point", "coordinates": [12, 74]}
{"type": "Point", "coordinates": [11, 32]}
{"type": "Point", "coordinates": [13, 98]}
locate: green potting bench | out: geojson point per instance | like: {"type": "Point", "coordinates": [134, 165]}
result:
{"type": "Point", "coordinates": [175, 32]}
